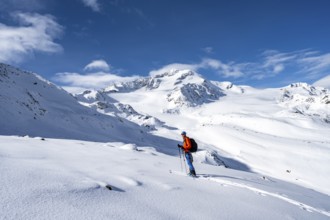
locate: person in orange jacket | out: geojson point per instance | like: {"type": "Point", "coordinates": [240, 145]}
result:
{"type": "Point", "coordinates": [186, 148]}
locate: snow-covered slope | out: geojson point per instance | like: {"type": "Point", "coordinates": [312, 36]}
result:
{"type": "Point", "coordinates": [33, 106]}
{"type": "Point", "coordinates": [67, 179]}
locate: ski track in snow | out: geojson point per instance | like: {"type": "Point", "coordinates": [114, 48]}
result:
{"type": "Point", "coordinates": [265, 193]}
{"type": "Point", "coordinates": [261, 192]}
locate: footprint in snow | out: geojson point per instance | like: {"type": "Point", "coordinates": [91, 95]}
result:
{"type": "Point", "coordinates": [129, 181]}
{"type": "Point", "coordinates": [90, 185]}
{"type": "Point", "coordinates": [108, 145]}
{"type": "Point", "coordinates": [168, 187]}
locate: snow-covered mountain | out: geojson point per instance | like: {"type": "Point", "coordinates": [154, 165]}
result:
{"type": "Point", "coordinates": [176, 89]}
{"type": "Point", "coordinates": [263, 153]}
{"type": "Point", "coordinates": [181, 88]}
{"type": "Point", "coordinates": [33, 106]}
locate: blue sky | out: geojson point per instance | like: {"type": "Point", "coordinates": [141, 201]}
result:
{"type": "Point", "coordinates": [91, 43]}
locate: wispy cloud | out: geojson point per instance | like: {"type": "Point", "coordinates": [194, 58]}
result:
{"type": "Point", "coordinates": [173, 66]}
{"type": "Point", "coordinates": [35, 33]}
{"type": "Point", "coordinates": [96, 78]}
{"type": "Point", "coordinates": [274, 62]}
{"type": "Point", "coordinates": [323, 82]}
{"type": "Point", "coordinates": [93, 4]}
{"type": "Point", "coordinates": [305, 64]}
{"type": "Point", "coordinates": [208, 50]}
{"type": "Point", "coordinates": [316, 64]}
{"type": "Point", "coordinates": [101, 65]}
{"type": "Point", "coordinates": [308, 64]}
{"type": "Point", "coordinates": [226, 70]}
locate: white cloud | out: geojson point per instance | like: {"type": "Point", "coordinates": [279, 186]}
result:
{"type": "Point", "coordinates": [225, 70]}
{"type": "Point", "coordinates": [101, 65]}
{"type": "Point", "coordinates": [272, 58]}
{"type": "Point", "coordinates": [93, 4]}
{"type": "Point", "coordinates": [273, 63]}
{"type": "Point", "coordinates": [208, 50]}
{"type": "Point", "coordinates": [174, 66]}
{"type": "Point", "coordinates": [98, 80]}
{"type": "Point", "coordinates": [278, 68]}
{"type": "Point", "coordinates": [324, 82]}
{"type": "Point", "coordinates": [77, 82]}
{"type": "Point", "coordinates": [35, 33]}
{"type": "Point", "coordinates": [307, 63]}
{"type": "Point", "coordinates": [214, 64]}
{"type": "Point", "coordinates": [316, 64]}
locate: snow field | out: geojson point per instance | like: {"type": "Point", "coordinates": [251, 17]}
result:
{"type": "Point", "coordinates": [66, 179]}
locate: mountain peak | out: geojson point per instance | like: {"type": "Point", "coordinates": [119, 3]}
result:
{"type": "Point", "coordinates": [175, 72]}
{"type": "Point", "coordinates": [168, 80]}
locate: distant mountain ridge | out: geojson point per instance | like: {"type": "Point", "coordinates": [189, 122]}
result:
{"type": "Point", "coordinates": [185, 88]}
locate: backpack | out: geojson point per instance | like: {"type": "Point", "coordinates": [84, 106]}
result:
{"type": "Point", "coordinates": [194, 145]}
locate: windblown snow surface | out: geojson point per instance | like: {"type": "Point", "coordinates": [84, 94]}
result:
{"type": "Point", "coordinates": [263, 154]}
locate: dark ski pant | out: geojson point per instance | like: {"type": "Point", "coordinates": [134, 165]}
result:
{"type": "Point", "coordinates": [189, 159]}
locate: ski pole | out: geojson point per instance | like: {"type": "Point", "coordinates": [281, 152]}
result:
{"type": "Point", "coordinates": [180, 160]}
{"type": "Point", "coordinates": [184, 161]}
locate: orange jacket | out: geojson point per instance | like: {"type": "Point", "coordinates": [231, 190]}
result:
{"type": "Point", "coordinates": [186, 144]}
